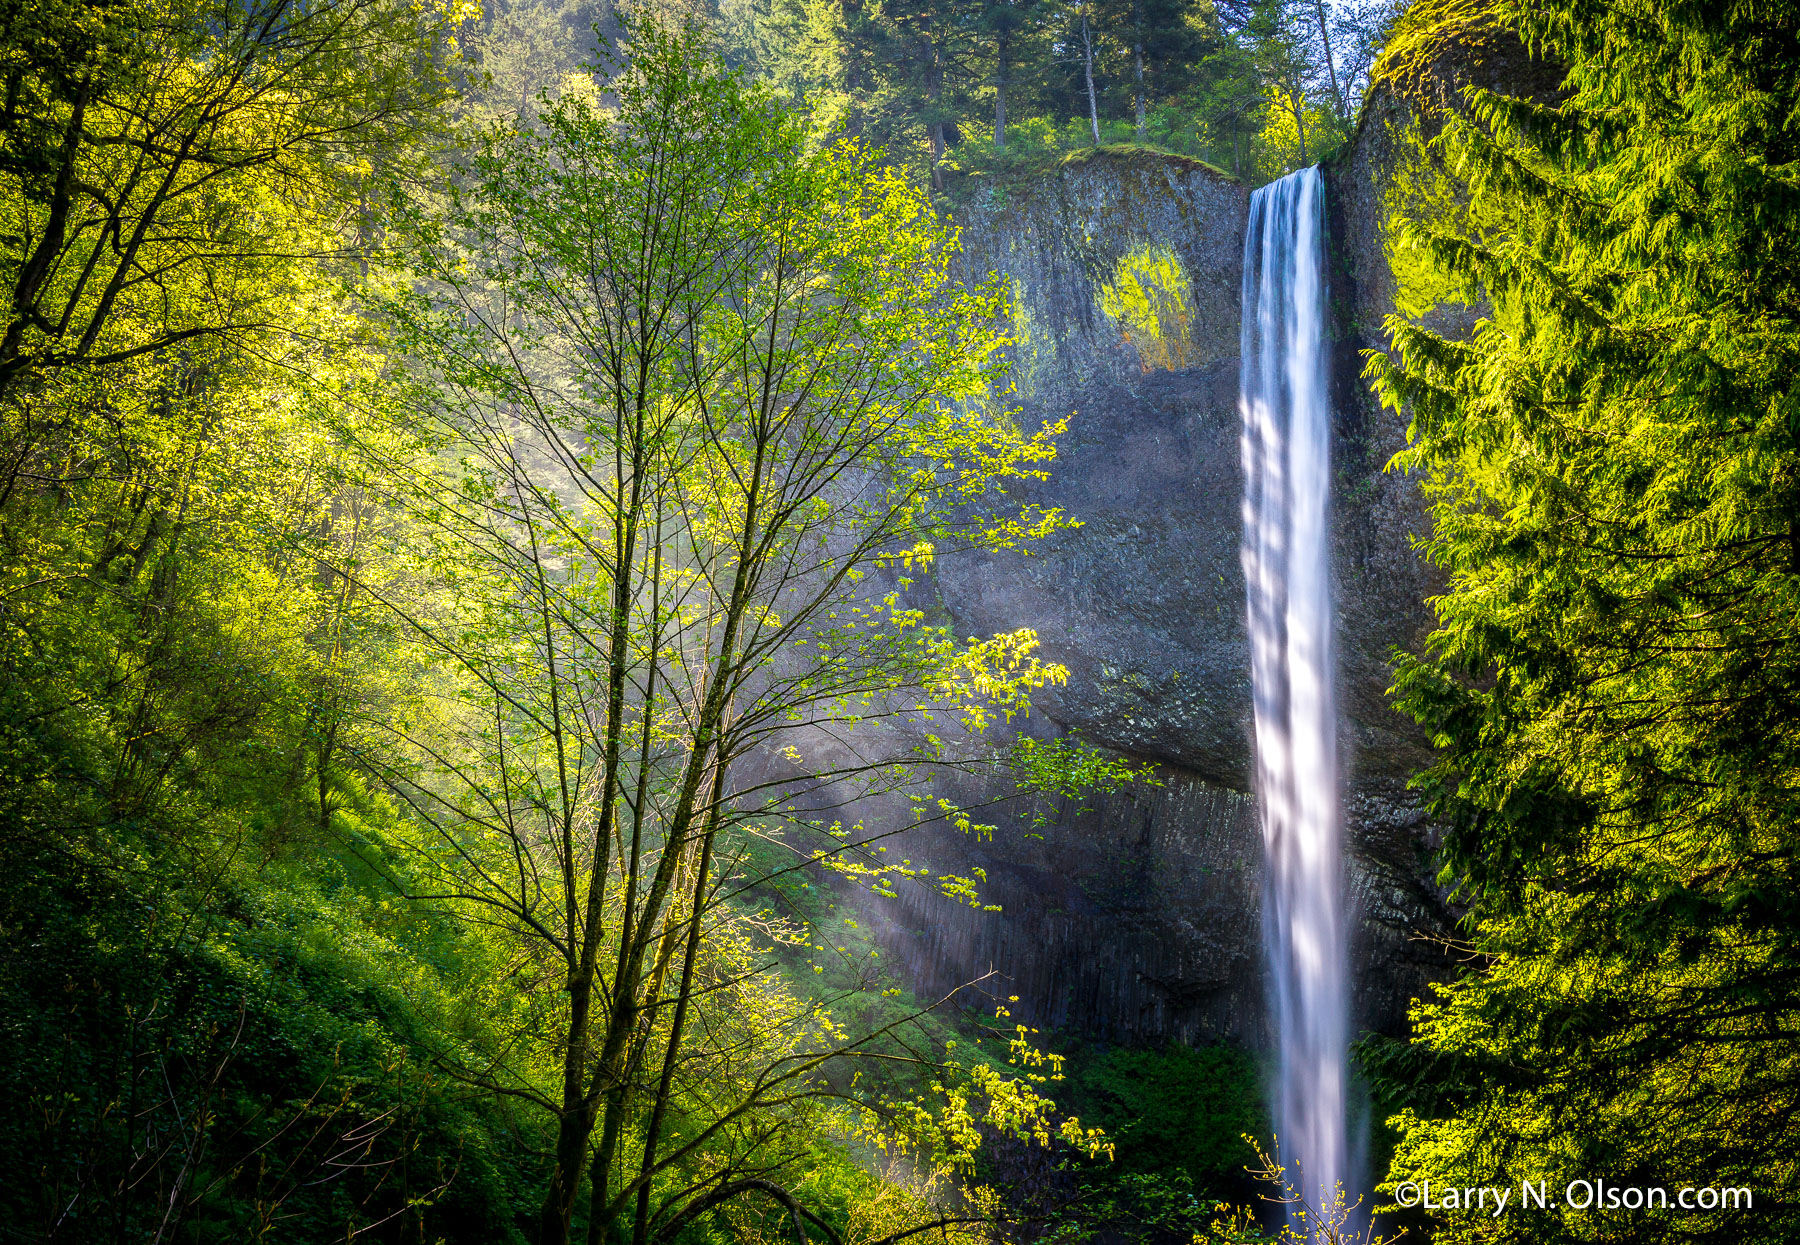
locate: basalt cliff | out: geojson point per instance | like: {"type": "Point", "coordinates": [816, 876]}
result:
{"type": "Point", "coordinates": [1135, 917]}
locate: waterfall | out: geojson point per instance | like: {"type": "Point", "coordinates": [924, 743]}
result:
{"type": "Point", "coordinates": [1284, 401]}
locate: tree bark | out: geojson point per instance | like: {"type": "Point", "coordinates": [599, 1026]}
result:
{"type": "Point", "coordinates": [1137, 56]}
{"type": "Point", "coordinates": [33, 272]}
{"type": "Point", "coordinates": [1138, 52]}
{"type": "Point", "coordinates": [1002, 50]}
{"type": "Point", "coordinates": [1343, 105]}
{"type": "Point", "coordinates": [705, 752]}
{"type": "Point", "coordinates": [1087, 64]}
{"type": "Point", "coordinates": [640, 1232]}
{"type": "Point", "coordinates": [575, 1123]}
{"type": "Point", "coordinates": [854, 46]}
{"type": "Point", "coordinates": [934, 94]}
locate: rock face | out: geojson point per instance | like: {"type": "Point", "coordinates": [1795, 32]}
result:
{"type": "Point", "coordinates": [1136, 917]}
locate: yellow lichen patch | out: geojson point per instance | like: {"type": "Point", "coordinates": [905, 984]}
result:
{"type": "Point", "coordinates": [1033, 348]}
{"type": "Point", "coordinates": [1152, 302]}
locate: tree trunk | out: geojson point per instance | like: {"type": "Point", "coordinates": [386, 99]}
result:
{"type": "Point", "coordinates": [1137, 57]}
{"type": "Point", "coordinates": [1002, 50]}
{"type": "Point", "coordinates": [1087, 65]}
{"type": "Point", "coordinates": [574, 1126]}
{"type": "Point", "coordinates": [36, 270]}
{"type": "Point", "coordinates": [850, 10]}
{"type": "Point", "coordinates": [640, 1232]}
{"type": "Point", "coordinates": [934, 94]}
{"type": "Point", "coordinates": [575, 1123]}
{"type": "Point", "coordinates": [1343, 105]}
{"type": "Point", "coordinates": [854, 45]}
{"type": "Point", "coordinates": [704, 754]}
{"type": "Point", "coordinates": [1138, 52]}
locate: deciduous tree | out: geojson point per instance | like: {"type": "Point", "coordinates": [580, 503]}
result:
{"type": "Point", "coordinates": [698, 394]}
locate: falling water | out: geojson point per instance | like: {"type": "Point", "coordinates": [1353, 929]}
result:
{"type": "Point", "coordinates": [1287, 574]}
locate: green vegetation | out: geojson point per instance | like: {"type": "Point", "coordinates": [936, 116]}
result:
{"type": "Point", "coordinates": [410, 581]}
{"type": "Point", "coordinates": [458, 678]}
{"type": "Point", "coordinates": [1180, 1109]}
{"type": "Point", "coordinates": [1151, 300]}
{"type": "Point", "coordinates": [1258, 87]}
{"type": "Point", "coordinates": [1612, 686]}
{"type": "Point", "coordinates": [1178, 1118]}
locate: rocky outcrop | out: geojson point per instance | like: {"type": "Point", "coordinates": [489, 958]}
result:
{"type": "Point", "coordinates": [1125, 275]}
{"type": "Point", "coordinates": [1136, 917]}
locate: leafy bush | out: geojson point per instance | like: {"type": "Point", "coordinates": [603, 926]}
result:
{"type": "Point", "coordinates": [1181, 1109]}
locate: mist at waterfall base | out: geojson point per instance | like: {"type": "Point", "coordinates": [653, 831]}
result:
{"type": "Point", "coordinates": [1284, 401]}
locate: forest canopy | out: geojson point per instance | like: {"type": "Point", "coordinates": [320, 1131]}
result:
{"type": "Point", "coordinates": [1255, 87]}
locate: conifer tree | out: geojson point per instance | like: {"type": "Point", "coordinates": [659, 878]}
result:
{"type": "Point", "coordinates": [1011, 28]}
{"type": "Point", "coordinates": [933, 63]}
{"type": "Point", "coordinates": [1161, 42]}
{"type": "Point", "coordinates": [1276, 39]}
{"type": "Point", "coordinates": [1614, 684]}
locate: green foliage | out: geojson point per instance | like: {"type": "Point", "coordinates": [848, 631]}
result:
{"type": "Point", "coordinates": [218, 1026]}
{"type": "Point", "coordinates": [310, 659]}
{"type": "Point", "coordinates": [995, 85]}
{"type": "Point", "coordinates": [651, 341]}
{"type": "Point", "coordinates": [1181, 1109]}
{"type": "Point", "coordinates": [271, 1073]}
{"type": "Point", "coordinates": [162, 162]}
{"type": "Point", "coordinates": [1612, 685]}
{"type": "Point", "coordinates": [1179, 1120]}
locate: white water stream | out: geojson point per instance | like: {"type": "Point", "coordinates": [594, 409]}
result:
{"type": "Point", "coordinates": [1286, 413]}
